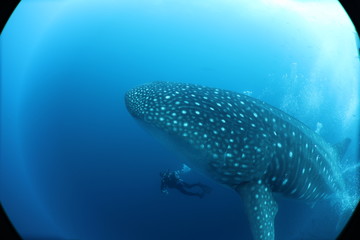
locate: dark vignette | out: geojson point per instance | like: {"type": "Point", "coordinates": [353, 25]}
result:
{"type": "Point", "coordinates": [7, 231]}
{"type": "Point", "coordinates": [352, 7]}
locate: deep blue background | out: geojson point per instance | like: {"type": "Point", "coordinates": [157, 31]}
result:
{"type": "Point", "coordinates": [74, 163]}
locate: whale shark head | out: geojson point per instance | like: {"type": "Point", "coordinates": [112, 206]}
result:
{"type": "Point", "coordinates": [214, 128]}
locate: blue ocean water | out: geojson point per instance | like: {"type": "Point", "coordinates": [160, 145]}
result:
{"type": "Point", "coordinates": [75, 165]}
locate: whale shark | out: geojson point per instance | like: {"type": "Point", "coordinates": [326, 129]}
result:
{"type": "Point", "coordinates": [243, 143]}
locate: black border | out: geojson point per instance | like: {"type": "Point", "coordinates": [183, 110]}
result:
{"type": "Point", "coordinates": [352, 229]}
{"type": "Point", "coordinates": [7, 231]}
{"type": "Point", "coordinates": [6, 9]}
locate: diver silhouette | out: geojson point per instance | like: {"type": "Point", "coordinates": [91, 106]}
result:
{"type": "Point", "coordinates": [173, 180]}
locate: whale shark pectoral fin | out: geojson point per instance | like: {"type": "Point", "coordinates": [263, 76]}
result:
{"type": "Point", "coordinates": [261, 209]}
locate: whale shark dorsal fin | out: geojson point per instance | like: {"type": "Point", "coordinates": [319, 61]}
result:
{"type": "Point", "coordinates": [261, 208]}
{"type": "Point", "coordinates": [341, 147]}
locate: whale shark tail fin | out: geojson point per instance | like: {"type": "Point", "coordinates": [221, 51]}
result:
{"type": "Point", "coordinates": [342, 147]}
{"type": "Point", "coordinates": [261, 209]}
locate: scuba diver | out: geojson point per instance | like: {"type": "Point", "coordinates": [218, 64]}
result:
{"type": "Point", "coordinates": [173, 180]}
